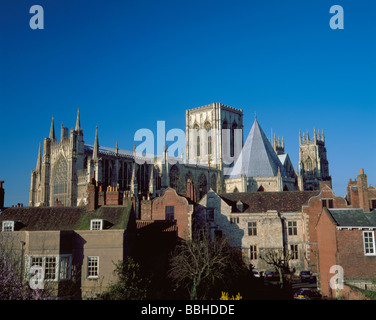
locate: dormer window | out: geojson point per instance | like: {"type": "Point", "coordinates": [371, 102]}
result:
{"type": "Point", "coordinates": [8, 226]}
{"type": "Point", "coordinates": [96, 224]}
{"type": "Point", "coordinates": [239, 206]}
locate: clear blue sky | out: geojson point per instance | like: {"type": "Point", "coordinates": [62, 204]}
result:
{"type": "Point", "coordinates": [128, 64]}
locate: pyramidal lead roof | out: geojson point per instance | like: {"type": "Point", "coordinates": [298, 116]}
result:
{"type": "Point", "coordinates": [257, 158]}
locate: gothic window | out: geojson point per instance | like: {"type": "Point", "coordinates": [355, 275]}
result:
{"type": "Point", "coordinates": [202, 185]}
{"type": "Point", "coordinates": [198, 147]}
{"type": "Point", "coordinates": [225, 137]}
{"type": "Point", "coordinates": [309, 166]}
{"type": "Point", "coordinates": [232, 141]}
{"type": "Point", "coordinates": [207, 127]}
{"type": "Point", "coordinates": [188, 176]}
{"type": "Point", "coordinates": [125, 176]}
{"type": "Point", "coordinates": [159, 182]}
{"type": "Point", "coordinates": [209, 145]}
{"type": "Point", "coordinates": [142, 178]}
{"type": "Point", "coordinates": [174, 177]}
{"type": "Point", "coordinates": [129, 175]}
{"type": "Point", "coordinates": [120, 175]}
{"type": "Point", "coordinates": [61, 182]}
{"type": "Point", "coordinates": [260, 189]}
{"type": "Point", "coordinates": [213, 182]}
{"type": "Point", "coordinates": [106, 174]}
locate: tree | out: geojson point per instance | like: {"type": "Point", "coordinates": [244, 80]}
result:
{"type": "Point", "coordinates": [279, 258]}
{"type": "Point", "coordinates": [15, 277]}
{"type": "Point", "coordinates": [12, 284]}
{"type": "Point", "coordinates": [199, 264]}
{"type": "Point", "coordinates": [130, 285]}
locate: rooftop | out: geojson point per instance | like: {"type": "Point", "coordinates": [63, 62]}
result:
{"type": "Point", "coordinates": [257, 158]}
{"type": "Point", "coordinates": [353, 217]}
{"type": "Point", "coordinates": [66, 218]}
{"type": "Point", "coordinates": [254, 202]}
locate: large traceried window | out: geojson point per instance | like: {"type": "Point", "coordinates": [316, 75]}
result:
{"type": "Point", "coordinates": [61, 182]}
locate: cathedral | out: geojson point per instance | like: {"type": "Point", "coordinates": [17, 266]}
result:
{"type": "Point", "coordinates": [217, 158]}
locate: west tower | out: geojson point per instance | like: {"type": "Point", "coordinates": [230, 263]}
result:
{"type": "Point", "coordinates": [313, 161]}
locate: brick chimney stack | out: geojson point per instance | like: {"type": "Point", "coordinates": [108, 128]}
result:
{"type": "Point", "coordinates": [93, 194]}
{"type": "Point", "coordinates": [191, 191]}
{"type": "Point", "coordinates": [363, 191]}
{"type": "Point", "coordinates": [112, 196]}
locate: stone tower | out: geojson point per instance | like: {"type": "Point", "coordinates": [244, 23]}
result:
{"type": "Point", "coordinates": [207, 142]}
{"type": "Point", "coordinates": [55, 179]}
{"type": "Point", "coordinates": [313, 161]}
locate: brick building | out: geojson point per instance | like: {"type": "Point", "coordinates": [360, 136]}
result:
{"type": "Point", "coordinates": [359, 194]}
{"type": "Point", "coordinates": [310, 214]}
{"type": "Point", "coordinates": [170, 206]}
{"type": "Point", "coordinates": [346, 238]}
{"type": "Point", "coordinates": [75, 248]}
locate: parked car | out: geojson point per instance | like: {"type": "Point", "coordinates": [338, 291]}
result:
{"type": "Point", "coordinates": [256, 273]}
{"type": "Point", "coordinates": [307, 294]}
{"type": "Point", "coordinates": [306, 276]}
{"type": "Point", "coordinates": [271, 275]}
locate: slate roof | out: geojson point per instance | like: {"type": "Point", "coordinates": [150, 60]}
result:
{"type": "Point", "coordinates": [66, 218]}
{"type": "Point", "coordinates": [353, 217]}
{"type": "Point", "coordinates": [257, 158]}
{"type": "Point", "coordinates": [287, 201]}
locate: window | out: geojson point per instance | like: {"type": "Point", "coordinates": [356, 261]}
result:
{"type": "Point", "coordinates": [252, 228]}
{"type": "Point", "coordinates": [170, 213]}
{"type": "Point", "coordinates": [55, 267]}
{"type": "Point", "coordinates": [234, 220]}
{"type": "Point", "coordinates": [198, 147]}
{"type": "Point", "coordinates": [8, 226]}
{"type": "Point", "coordinates": [294, 251]}
{"type": "Point", "coordinates": [96, 224]}
{"type": "Point", "coordinates": [209, 145]}
{"type": "Point", "coordinates": [372, 204]}
{"type": "Point", "coordinates": [292, 228]}
{"type": "Point", "coordinates": [253, 252]}
{"type": "Point", "coordinates": [210, 214]}
{"type": "Point", "coordinates": [327, 203]}
{"type": "Point", "coordinates": [50, 268]}
{"type": "Point", "coordinates": [60, 186]}
{"type": "Point", "coordinates": [92, 267]}
{"type": "Point", "coordinates": [65, 268]}
{"type": "Point", "coordinates": [369, 243]}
